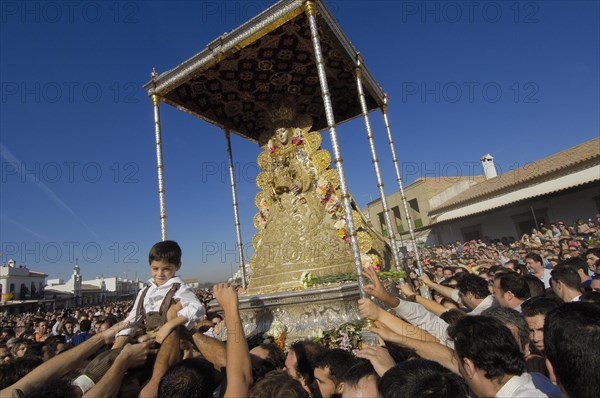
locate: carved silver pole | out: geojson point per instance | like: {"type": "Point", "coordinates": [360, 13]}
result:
{"type": "Point", "coordinates": [235, 209]}
{"type": "Point", "coordinates": [311, 12]}
{"type": "Point", "coordinates": [386, 209]}
{"type": "Point", "coordinates": [401, 185]}
{"type": "Point", "coordinates": [159, 164]}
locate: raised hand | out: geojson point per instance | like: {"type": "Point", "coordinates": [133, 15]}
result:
{"type": "Point", "coordinates": [135, 355]}
{"type": "Point", "coordinates": [379, 357]}
{"type": "Point", "coordinates": [368, 309]}
{"type": "Point", "coordinates": [226, 296]}
{"type": "Point", "coordinates": [375, 288]}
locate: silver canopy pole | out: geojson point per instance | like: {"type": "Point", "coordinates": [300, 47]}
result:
{"type": "Point", "coordinates": [401, 185]}
{"type": "Point", "coordinates": [159, 164]}
{"type": "Point", "coordinates": [235, 208]}
{"type": "Point", "coordinates": [386, 210]}
{"type": "Point", "coordinates": [312, 12]}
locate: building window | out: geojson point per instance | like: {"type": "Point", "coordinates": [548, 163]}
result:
{"type": "Point", "coordinates": [416, 213]}
{"type": "Point", "coordinates": [384, 230]}
{"type": "Point", "coordinates": [398, 218]}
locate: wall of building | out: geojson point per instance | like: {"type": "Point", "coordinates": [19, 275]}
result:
{"type": "Point", "coordinates": [504, 222]}
{"type": "Point", "coordinates": [20, 277]}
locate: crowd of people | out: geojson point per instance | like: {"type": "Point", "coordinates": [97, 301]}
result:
{"type": "Point", "coordinates": [502, 318]}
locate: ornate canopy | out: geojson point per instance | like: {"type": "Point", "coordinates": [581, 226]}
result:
{"type": "Point", "coordinates": [231, 82]}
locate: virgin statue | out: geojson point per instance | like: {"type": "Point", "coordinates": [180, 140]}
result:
{"type": "Point", "coordinates": [301, 222]}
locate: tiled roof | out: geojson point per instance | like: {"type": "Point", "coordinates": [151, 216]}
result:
{"type": "Point", "coordinates": [578, 157]}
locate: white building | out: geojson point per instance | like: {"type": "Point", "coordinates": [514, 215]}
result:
{"type": "Point", "coordinates": [76, 291]}
{"type": "Point", "coordinates": [20, 283]}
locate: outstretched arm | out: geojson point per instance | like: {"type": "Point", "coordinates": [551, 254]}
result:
{"type": "Point", "coordinates": [425, 349]}
{"type": "Point", "coordinates": [63, 363]}
{"type": "Point", "coordinates": [443, 290]}
{"type": "Point", "coordinates": [430, 305]}
{"type": "Point", "coordinates": [370, 310]}
{"type": "Point", "coordinates": [132, 356]}
{"type": "Point", "coordinates": [238, 369]}
{"type": "Point", "coordinates": [212, 349]}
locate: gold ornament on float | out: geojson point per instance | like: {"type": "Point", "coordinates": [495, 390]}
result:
{"type": "Point", "coordinates": [365, 241]}
{"type": "Point", "coordinates": [321, 160]}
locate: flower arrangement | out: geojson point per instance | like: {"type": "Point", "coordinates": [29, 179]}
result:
{"type": "Point", "coordinates": [370, 261]}
{"type": "Point", "coordinates": [309, 280]}
{"type": "Point", "coordinates": [346, 336]}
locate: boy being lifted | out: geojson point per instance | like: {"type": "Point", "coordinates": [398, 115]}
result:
{"type": "Point", "coordinates": [152, 302]}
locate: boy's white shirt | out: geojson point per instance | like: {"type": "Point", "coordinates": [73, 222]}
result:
{"type": "Point", "coordinates": [192, 309]}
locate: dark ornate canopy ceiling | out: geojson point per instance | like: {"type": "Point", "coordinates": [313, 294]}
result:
{"type": "Point", "coordinates": [232, 82]}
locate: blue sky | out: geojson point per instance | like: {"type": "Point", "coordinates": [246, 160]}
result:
{"type": "Point", "coordinates": [517, 79]}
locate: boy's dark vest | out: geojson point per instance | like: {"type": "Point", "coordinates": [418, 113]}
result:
{"type": "Point", "coordinates": [154, 320]}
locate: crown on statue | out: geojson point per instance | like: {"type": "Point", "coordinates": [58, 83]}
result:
{"type": "Point", "coordinates": [282, 112]}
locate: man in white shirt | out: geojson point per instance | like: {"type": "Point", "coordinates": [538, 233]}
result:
{"type": "Point", "coordinates": [510, 290]}
{"type": "Point", "coordinates": [566, 283]}
{"type": "Point", "coordinates": [535, 265]}
{"type": "Point", "coordinates": [490, 361]}
{"type": "Point", "coordinates": [474, 294]}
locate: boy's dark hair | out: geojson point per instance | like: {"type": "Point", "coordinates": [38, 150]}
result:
{"type": "Point", "coordinates": [193, 377]}
{"type": "Point", "coordinates": [570, 334]}
{"type": "Point", "coordinates": [421, 378]}
{"type": "Point", "coordinates": [538, 306]}
{"type": "Point", "coordinates": [567, 275]}
{"type": "Point", "coordinates": [338, 362]}
{"type": "Point", "coordinates": [167, 250]}
{"type": "Point", "coordinates": [473, 284]}
{"type": "Point", "coordinates": [514, 283]}
{"type": "Point", "coordinates": [489, 344]}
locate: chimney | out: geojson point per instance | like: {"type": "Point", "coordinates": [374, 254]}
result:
{"type": "Point", "coordinates": [489, 170]}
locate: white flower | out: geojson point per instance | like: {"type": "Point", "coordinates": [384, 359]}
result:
{"type": "Point", "coordinates": [339, 224]}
